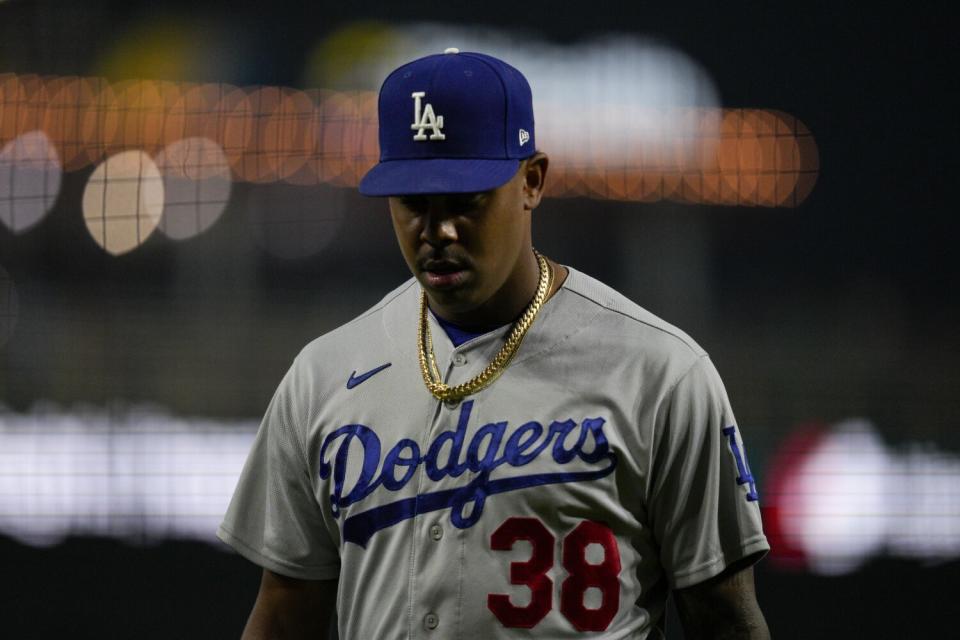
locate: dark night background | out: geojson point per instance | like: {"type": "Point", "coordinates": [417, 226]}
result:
{"type": "Point", "coordinates": [845, 306]}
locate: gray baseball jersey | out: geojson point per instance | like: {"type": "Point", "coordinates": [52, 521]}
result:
{"type": "Point", "coordinates": [601, 469]}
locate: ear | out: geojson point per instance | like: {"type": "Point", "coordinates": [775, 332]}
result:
{"type": "Point", "coordinates": [534, 176]}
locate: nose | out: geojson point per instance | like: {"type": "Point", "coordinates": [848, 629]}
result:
{"type": "Point", "coordinates": [439, 228]}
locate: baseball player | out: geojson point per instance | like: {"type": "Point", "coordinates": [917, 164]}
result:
{"type": "Point", "coordinates": [503, 447]}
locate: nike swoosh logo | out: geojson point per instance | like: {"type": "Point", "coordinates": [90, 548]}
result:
{"type": "Point", "coordinates": [355, 379]}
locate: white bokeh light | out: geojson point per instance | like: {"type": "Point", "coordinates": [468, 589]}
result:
{"type": "Point", "coordinates": [30, 178]}
{"type": "Point", "coordinates": [138, 475]}
{"type": "Point", "coordinates": [197, 183]}
{"type": "Point", "coordinates": [925, 505]}
{"type": "Point", "coordinates": [850, 498]}
{"type": "Point", "coordinates": [841, 513]}
{"type": "Point", "coordinates": [123, 201]}
{"type": "Point", "coordinates": [620, 97]}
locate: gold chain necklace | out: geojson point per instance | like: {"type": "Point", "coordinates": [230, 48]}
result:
{"type": "Point", "coordinates": [428, 364]}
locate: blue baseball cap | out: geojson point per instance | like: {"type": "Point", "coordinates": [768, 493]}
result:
{"type": "Point", "coordinates": [456, 122]}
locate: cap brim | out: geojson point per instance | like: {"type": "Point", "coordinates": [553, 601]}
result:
{"type": "Point", "coordinates": [437, 175]}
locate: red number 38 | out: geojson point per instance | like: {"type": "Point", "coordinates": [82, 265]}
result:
{"type": "Point", "coordinates": [582, 575]}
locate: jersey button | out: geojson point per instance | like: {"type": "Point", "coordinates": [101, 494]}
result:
{"type": "Point", "coordinates": [431, 621]}
{"type": "Point", "coordinates": [459, 359]}
{"type": "Point", "coordinates": [451, 403]}
{"type": "Point", "coordinates": [436, 532]}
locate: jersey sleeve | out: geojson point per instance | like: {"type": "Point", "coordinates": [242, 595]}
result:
{"type": "Point", "coordinates": [703, 500]}
{"type": "Point", "coordinates": [274, 519]}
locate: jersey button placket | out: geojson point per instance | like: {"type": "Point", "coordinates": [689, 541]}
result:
{"type": "Point", "coordinates": [457, 360]}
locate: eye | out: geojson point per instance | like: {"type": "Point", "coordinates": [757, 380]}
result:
{"type": "Point", "coordinates": [416, 204]}
{"type": "Point", "coordinates": [463, 203]}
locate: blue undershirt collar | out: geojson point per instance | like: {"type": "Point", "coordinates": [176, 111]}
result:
{"type": "Point", "coordinates": [458, 335]}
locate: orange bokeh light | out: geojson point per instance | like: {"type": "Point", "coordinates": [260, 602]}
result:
{"type": "Point", "coordinates": [23, 98]}
{"type": "Point", "coordinates": [98, 119]}
{"type": "Point", "coordinates": [142, 106]}
{"type": "Point", "coordinates": [61, 121]}
{"type": "Point", "coordinates": [293, 128]}
{"type": "Point", "coordinates": [368, 134]}
{"type": "Point", "coordinates": [800, 156]}
{"type": "Point", "coordinates": [192, 111]}
{"type": "Point", "coordinates": [336, 111]}
{"type": "Point", "coordinates": [262, 157]}
{"type": "Point", "coordinates": [10, 99]}
{"type": "Point", "coordinates": [232, 127]}
{"type": "Point", "coordinates": [746, 157]}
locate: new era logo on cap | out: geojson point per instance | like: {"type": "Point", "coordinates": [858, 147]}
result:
{"type": "Point", "coordinates": [472, 123]}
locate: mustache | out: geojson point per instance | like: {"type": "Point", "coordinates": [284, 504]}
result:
{"type": "Point", "coordinates": [442, 260]}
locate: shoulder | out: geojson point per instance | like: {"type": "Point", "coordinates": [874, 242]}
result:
{"type": "Point", "coordinates": [622, 324]}
{"type": "Point", "coordinates": [593, 337]}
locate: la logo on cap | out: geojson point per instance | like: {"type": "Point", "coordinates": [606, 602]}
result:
{"type": "Point", "coordinates": [425, 120]}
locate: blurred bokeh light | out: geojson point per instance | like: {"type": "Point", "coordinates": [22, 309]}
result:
{"type": "Point", "coordinates": [659, 136]}
{"type": "Point", "coordinates": [123, 201]}
{"type": "Point", "coordinates": [839, 497]}
{"type": "Point", "coordinates": [168, 47]}
{"type": "Point", "coordinates": [137, 474]}
{"type": "Point", "coordinates": [30, 177]}
{"type": "Point", "coordinates": [196, 186]}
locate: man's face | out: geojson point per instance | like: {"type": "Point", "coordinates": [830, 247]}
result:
{"type": "Point", "coordinates": [467, 250]}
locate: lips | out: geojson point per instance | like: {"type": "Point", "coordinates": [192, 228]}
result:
{"type": "Point", "coordinates": [443, 274]}
{"type": "Point", "coordinates": [442, 265]}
